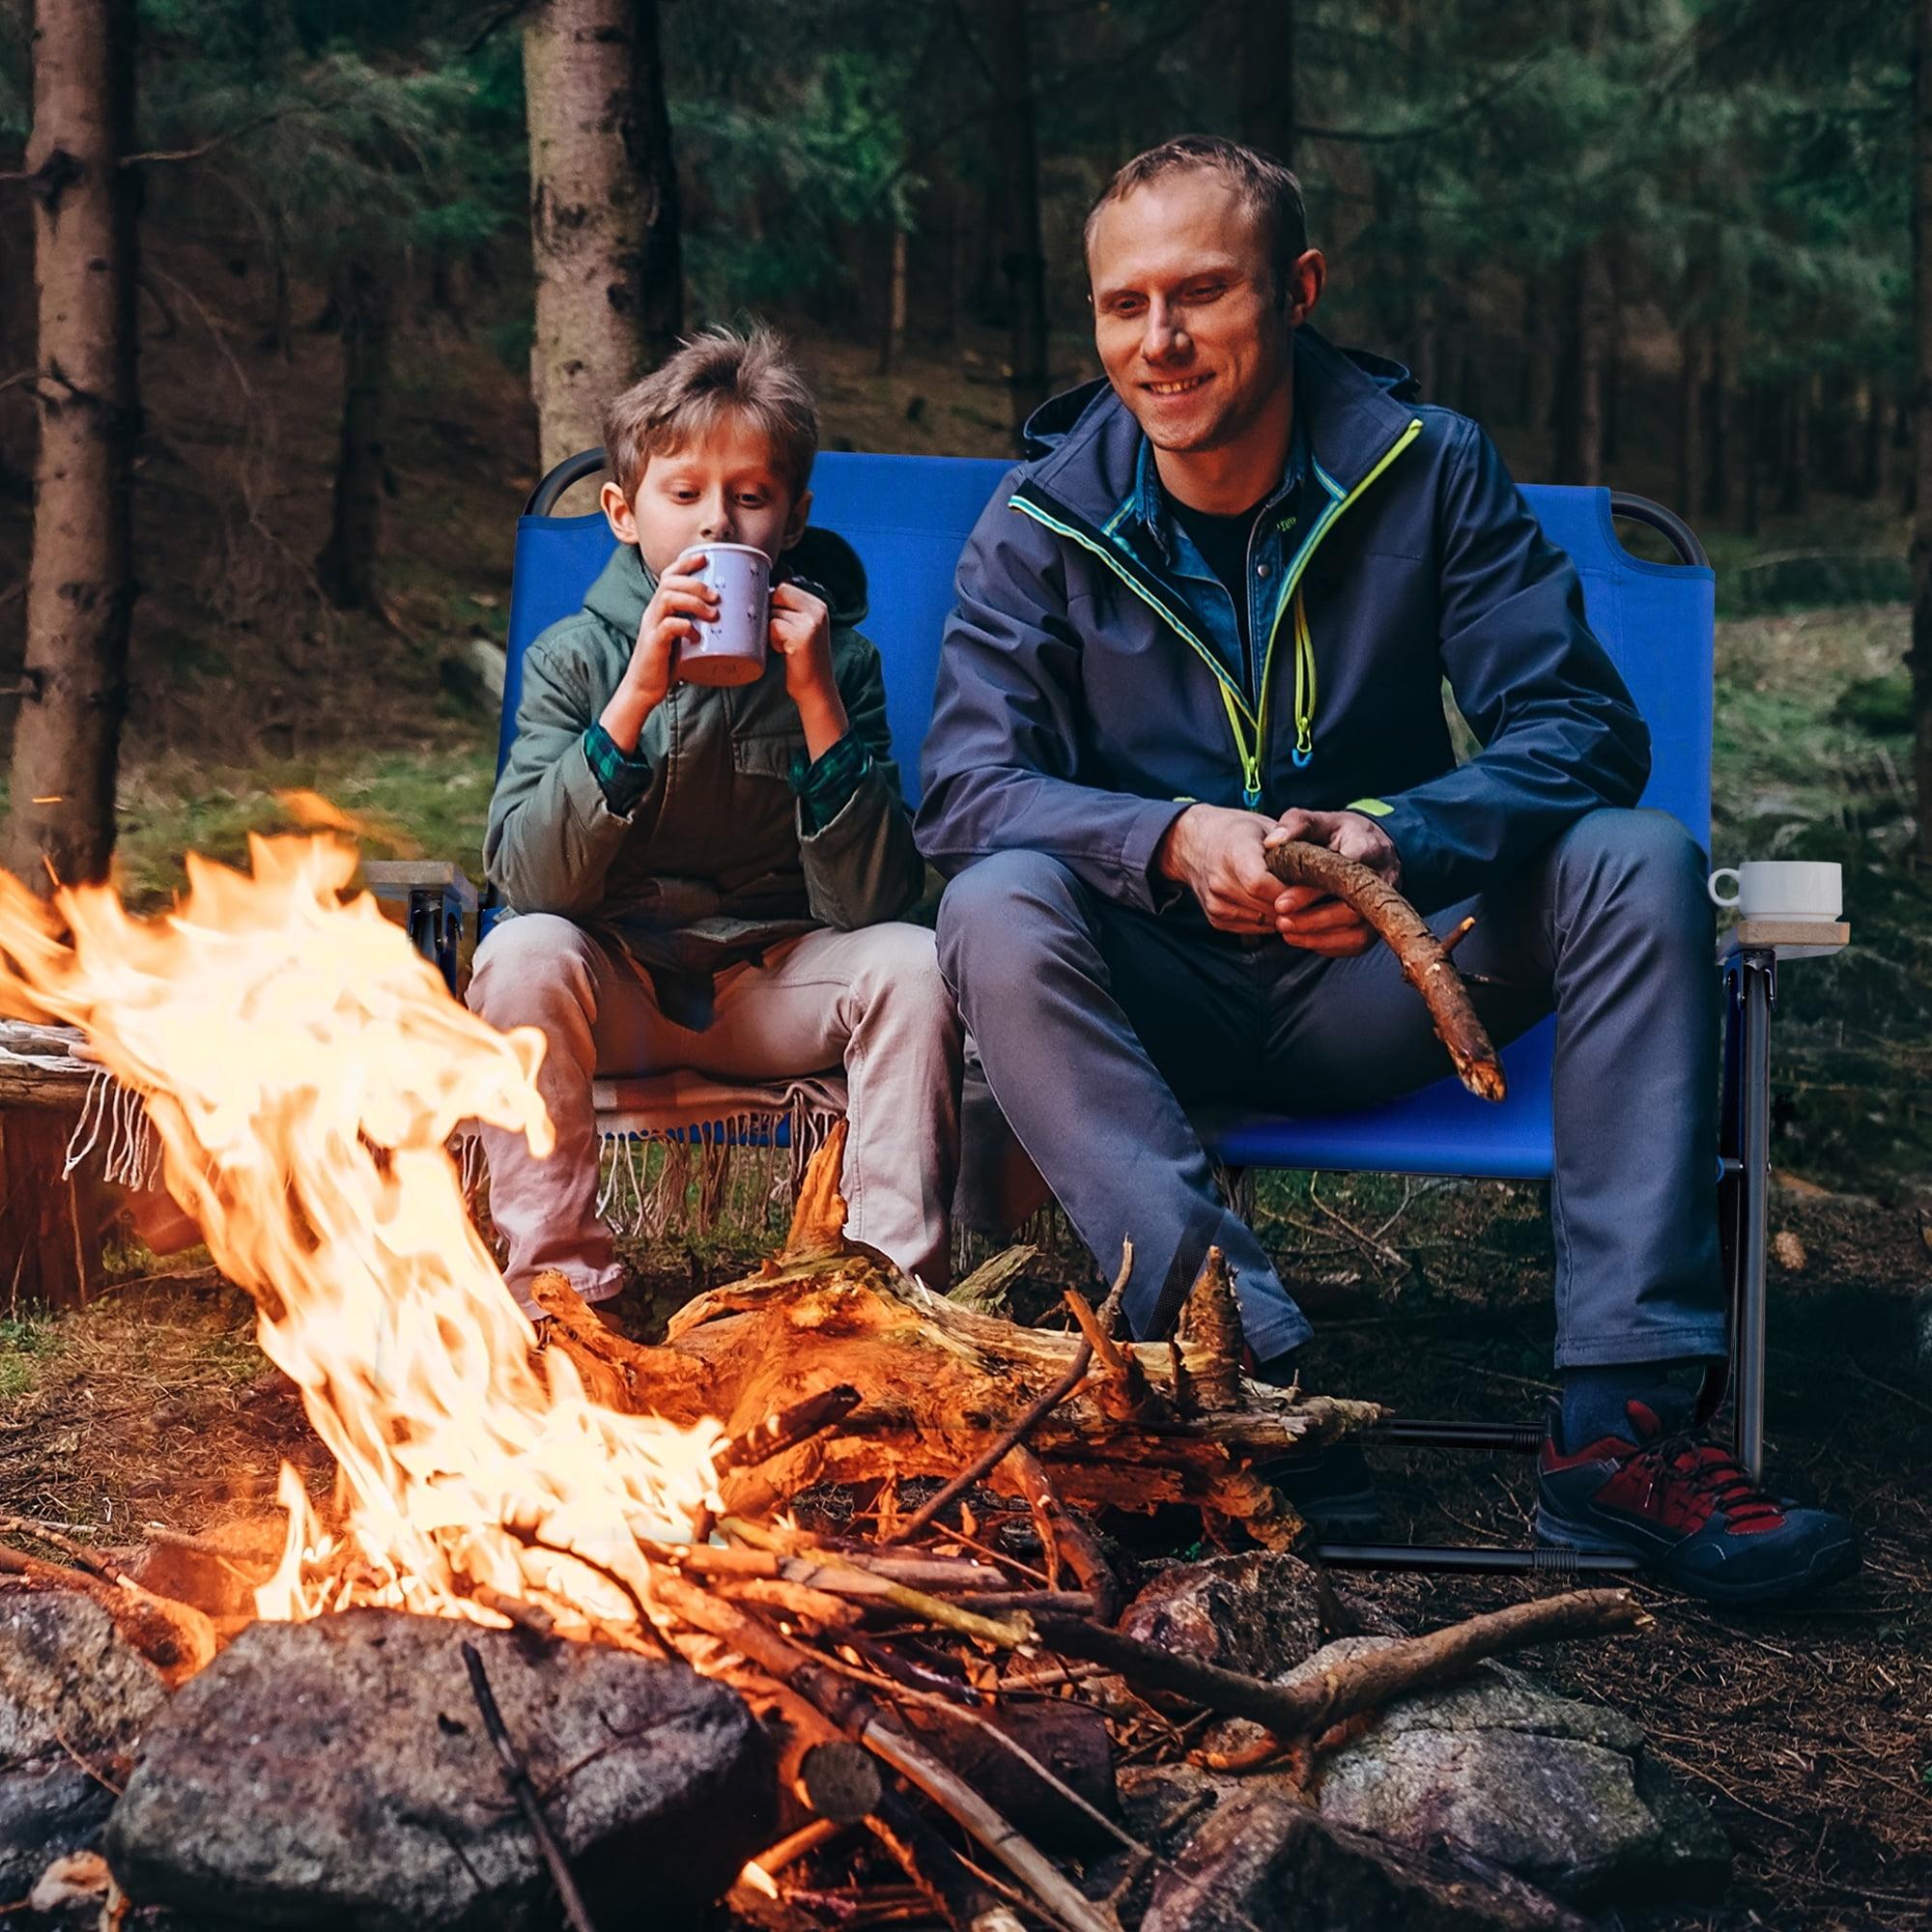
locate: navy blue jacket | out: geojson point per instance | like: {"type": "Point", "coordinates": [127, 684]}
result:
{"type": "Point", "coordinates": [1079, 708]}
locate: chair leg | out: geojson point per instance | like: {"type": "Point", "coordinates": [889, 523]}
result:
{"type": "Point", "coordinates": [1757, 995]}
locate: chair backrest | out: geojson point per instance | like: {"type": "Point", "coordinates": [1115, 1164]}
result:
{"type": "Point", "coordinates": [909, 516]}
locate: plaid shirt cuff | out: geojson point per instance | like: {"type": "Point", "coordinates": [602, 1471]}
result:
{"type": "Point", "coordinates": [825, 785]}
{"type": "Point", "coordinates": [620, 777]}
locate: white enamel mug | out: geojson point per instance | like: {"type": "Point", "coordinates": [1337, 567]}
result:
{"type": "Point", "coordinates": [1803, 888]}
{"type": "Point", "coordinates": [731, 647]}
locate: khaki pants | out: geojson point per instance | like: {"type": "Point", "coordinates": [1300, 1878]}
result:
{"type": "Point", "coordinates": [870, 1000]}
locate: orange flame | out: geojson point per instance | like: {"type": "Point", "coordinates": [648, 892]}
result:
{"type": "Point", "coordinates": [305, 1070]}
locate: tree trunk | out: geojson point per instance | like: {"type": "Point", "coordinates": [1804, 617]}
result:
{"type": "Point", "coordinates": [1922, 384]}
{"type": "Point", "coordinates": [1267, 78]}
{"type": "Point", "coordinates": [1875, 478]}
{"type": "Point", "coordinates": [1579, 410]}
{"type": "Point", "coordinates": [1718, 476]}
{"type": "Point", "coordinates": [604, 212]}
{"type": "Point", "coordinates": [1011, 56]}
{"type": "Point", "coordinates": [80, 583]}
{"type": "Point", "coordinates": [1535, 395]}
{"type": "Point", "coordinates": [366, 298]}
{"type": "Point", "coordinates": [1794, 487]}
{"type": "Point", "coordinates": [1692, 375]}
{"type": "Point", "coordinates": [892, 339]}
{"type": "Point", "coordinates": [1754, 414]}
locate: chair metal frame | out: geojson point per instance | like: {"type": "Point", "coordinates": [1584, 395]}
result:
{"type": "Point", "coordinates": [436, 913]}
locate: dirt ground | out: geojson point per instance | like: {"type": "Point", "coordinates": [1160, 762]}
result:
{"type": "Point", "coordinates": [1809, 1732]}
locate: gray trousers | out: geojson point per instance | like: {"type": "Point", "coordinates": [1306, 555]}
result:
{"type": "Point", "coordinates": [1099, 1026]}
{"type": "Point", "coordinates": [870, 1002]}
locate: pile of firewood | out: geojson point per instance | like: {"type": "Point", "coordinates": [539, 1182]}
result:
{"type": "Point", "coordinates": [913, 1631]}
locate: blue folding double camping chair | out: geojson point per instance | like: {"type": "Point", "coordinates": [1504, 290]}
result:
{"type": "Point", "coordinates": [908, 516]}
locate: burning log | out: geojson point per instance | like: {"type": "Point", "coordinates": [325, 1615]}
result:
{"type": "Point", "coordinates": [944, 1388]}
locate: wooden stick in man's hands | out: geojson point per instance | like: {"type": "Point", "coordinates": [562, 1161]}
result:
{"type": "Point", "coordinates": [1423, 957]}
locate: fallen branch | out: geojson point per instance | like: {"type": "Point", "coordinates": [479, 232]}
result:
{"type": "Point", "coordinates": [516, 1775]}
{"type": "Point", "coordinates": [1425, 964]}
{"type": "Point", "coordinates": [1306, 1709]}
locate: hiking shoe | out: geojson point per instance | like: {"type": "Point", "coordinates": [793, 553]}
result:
{"type": "Point", "coordinates": [1331, 1489]}
{"type": "Point", "coordinates": [1687, 1511]}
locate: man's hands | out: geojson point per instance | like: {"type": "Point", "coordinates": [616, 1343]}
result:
{"type": "Point", "coordinates": [671, 616]}
{"type": "Point", "coordinates": [1216, 853]}
{"type": "Point", "coordinates": [1219, 855]}
{"type": "Point", "coordinates": [802, 635]}
{"type": "Point", "coordinates": [1307, 917]}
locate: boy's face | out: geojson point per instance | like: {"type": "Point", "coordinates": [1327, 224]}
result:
{"type": "Point", "coordinates": [722, 488]}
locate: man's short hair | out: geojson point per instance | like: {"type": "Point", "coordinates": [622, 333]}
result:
{"type": "Point", "coordinates": [714, 375]}
{"type": "Point", "coordinates": [1268, 188]}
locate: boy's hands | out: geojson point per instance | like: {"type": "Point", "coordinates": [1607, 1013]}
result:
{"type": "Point", "coordinates": [670, 618]}
{"type": "Point", "coordinates": [802, 635]}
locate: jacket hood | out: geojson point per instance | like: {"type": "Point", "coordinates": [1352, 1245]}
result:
{"type": "Point", "coordinates": [1353, 403]}
{"type": "Point", "coordinates": [822, 559]}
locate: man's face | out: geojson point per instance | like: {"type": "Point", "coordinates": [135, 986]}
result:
{"type": "Point", "coordinates": [1184, 312]}
{"type": "Point", "coordinates": [722, 488]}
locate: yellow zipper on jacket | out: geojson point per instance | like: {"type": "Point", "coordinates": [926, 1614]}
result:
{"type": "Point", "coordinates": [1249, 727]}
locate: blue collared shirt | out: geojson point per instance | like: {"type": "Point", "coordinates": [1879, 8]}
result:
{"type": "Point", "coordinates": [1157, 538]}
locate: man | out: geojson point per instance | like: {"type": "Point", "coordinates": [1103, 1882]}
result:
{"type": "Point", "coordinates": [1212, 610]}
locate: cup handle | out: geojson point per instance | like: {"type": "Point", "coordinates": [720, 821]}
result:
{"type": "Point", "coordinates": [1725, 873]}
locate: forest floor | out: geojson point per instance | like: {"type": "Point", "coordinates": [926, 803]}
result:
{"type": "Point", "coordinates": [1809, 1732]}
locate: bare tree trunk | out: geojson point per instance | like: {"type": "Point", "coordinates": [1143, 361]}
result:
{"type": "Point", "coordinates": [1534, 396]}
{"type": "Point", "coordinates": [1580, 412]}
{"type": "Point", "coordinates": [1875, 479]}
{"type": "Point", "coordinates": [347, 565]}
{"type": "Point", "coordinates": [1011, 56]}
{"type": "Point", "coordinates": [80, 585]}
{"type": "Point", "coordinates": [1692, 373]}
{"type": "Point", "coordinates": [1754, 414]}
{"type": "Point", "coordinates": [1922, 386]}
{"type": "Point", "coordinates": [1718, 478]}
{"type": "Point", "coordinates": [892, 340]}
{"type": "Point", "coordinates": [1794, 486]}
{"type": "Point", "coordinates": [1266, 65]}
{"type": "Point", "coordinates": [604, 212]}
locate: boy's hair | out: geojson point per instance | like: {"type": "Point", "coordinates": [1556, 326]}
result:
{"type": "Point", "coordinates": [715, 374]}
{"type": "Point", "coordinates": [1267, 188]}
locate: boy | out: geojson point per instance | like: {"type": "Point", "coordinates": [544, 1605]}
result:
{"type": "Point", "coordinates": [705, 877]}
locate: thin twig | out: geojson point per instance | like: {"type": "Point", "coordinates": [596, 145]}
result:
{"type": "Point", "coordinates": [516, 1775]}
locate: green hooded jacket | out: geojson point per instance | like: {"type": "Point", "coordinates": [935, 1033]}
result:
{"type": "Point", "coordinates": [714, 863]}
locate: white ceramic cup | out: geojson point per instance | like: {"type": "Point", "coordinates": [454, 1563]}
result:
{"type": "Point", "coordinates": [731, 647]}
{"type": "Point", "coordinates": [1804, 888]}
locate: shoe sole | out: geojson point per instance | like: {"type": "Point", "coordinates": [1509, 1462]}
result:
{"type": "Point", "coordinates": [1832, 1564]}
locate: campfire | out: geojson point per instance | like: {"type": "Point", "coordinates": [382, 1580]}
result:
{"type": "Point", "coordinates": [878, 1516]}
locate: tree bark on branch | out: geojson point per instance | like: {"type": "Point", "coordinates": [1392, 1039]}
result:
{"type": "Point", "coordinates": [80, 585]}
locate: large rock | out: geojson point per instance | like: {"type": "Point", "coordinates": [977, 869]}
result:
{"type": "Point", "coordinates": [1260, 1613]}
{"type": "Point", "coordinates": [337, 1773]}
{"type": "Point", "coordinates": [1556, 1790]}
{"type": "Point", "coordinates": [1264, 1863]}
{"type": "Point", "coordinates": [75, 1697]}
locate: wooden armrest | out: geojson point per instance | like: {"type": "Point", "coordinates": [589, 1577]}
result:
{"type": "Point", "coordinates": [392, 880]}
